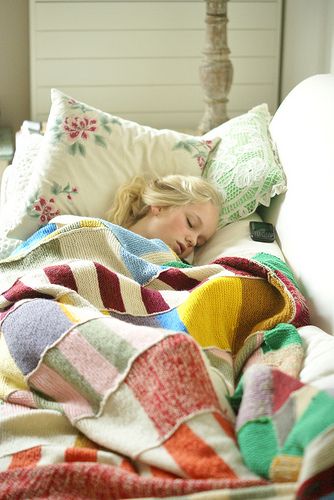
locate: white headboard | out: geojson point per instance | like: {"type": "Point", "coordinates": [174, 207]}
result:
{"type": "Point", "coordinates": [303, 130]}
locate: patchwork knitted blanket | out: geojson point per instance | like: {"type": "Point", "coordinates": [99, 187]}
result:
{"type": "Point", "coordinates": [126, 373]}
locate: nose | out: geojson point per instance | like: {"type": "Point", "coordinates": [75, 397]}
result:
{"type": "Point", "coordinates": [191, 240]}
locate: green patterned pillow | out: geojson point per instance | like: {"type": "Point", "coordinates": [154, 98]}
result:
{"type": "Point", "coordinates": [245, 165]}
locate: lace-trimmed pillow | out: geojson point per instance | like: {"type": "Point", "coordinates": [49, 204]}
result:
{"type": "Point", "coordinates": [245, 166]}
{"type": "Point", "coordinates": [86, 154]}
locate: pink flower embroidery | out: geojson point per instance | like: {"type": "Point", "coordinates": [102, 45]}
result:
{"type": "Point", "coordinates": [72, 101]}
{"type": "Point", "coordinates": [201, 162]}
{"type": "Point", "coordinates": [201, 159]}
{"type": "Point", "coordinates": [79, 127]}
{"type": "Point", "coordinates": [209, 144]}
{"type": "Point", "coordinates": [46, 210]}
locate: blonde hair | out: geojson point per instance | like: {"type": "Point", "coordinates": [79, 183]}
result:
{"type": "Point", "coordinates": [132, 201]}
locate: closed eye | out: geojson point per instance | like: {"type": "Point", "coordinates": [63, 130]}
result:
{"type": "Point", "coordinates": [189, 223]}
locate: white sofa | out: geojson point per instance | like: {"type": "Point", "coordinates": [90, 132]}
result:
{"type": "Point", "coordinates": [303, 130]}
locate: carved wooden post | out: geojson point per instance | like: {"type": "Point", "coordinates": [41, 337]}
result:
{"type": "Point", "coordinates": [216, 71]}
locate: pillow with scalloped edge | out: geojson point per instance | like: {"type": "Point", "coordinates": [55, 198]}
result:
{"type": "Point", "coordinates": [245, 167]}
{"type": "Point", "coordinates": [87, 154]}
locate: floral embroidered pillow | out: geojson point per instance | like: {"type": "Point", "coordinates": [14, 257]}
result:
{"type": "Point", "coordinates": [86, 154]}
{"type": "Point", "coordinates": [245, 166]}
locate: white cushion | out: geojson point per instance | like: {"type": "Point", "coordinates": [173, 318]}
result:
{"type": "Point", "coordinates": [302, 129]}
{"type": "Point", "coordinates": [318, 367]}
{"type": "Point", "coordinates": [234, 240]}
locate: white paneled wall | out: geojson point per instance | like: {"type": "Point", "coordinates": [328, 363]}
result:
{"type": "Point", "coordinates": [140, 60]}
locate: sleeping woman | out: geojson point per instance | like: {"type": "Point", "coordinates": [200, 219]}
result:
{"type": "Point", "coordinates": [180, 210]}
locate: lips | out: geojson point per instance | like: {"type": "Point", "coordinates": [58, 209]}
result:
{"type": "Point", "coordinates": [181, 247]}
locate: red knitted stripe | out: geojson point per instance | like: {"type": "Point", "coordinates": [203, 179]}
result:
{"type": "Point", "coordinates": [320, 485]}
{"type": "Point", "coordinates": [61, 275]}
{"type": "Point", "coordinates": [100, 481]}
{"type": "Point", "coordinates": [241, 266]}
{"type": "Point", "coordinates": [302, 315]}
{"type": "Point", "coordinates": [21, 291]}
{"type": "Point", "coordinates": [127, 465]}
{"type": "Point", "coordinates": [153, 301]}
{"type": "Point", "coordinates": [80, 455]}
{"type": "Point", "coordinates": [283, 386]}
{"type": "Point", "coordinates": [196, 457]}
{"type": "Point", "coordinates": [110, 290]}
{"type": "Point", "coordinates": [26, 458]}
{"type": "Point", "coordinates": [177, 279]}
{"type": "Point", "coordinates": [178, 379]}
{"type": "Point", "coordinates": [226, 425]}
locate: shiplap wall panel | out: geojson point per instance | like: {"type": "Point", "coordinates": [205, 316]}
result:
{"type": "Point", "coordinates": [140, 60]}
{"type": "Point", "coordinates": [106, 44]}
{"type": "Point", "coordinates": [121, 15]}
{"type": "Point", "coordinates": [143, 72]}
{"type": "Point", "coordinates": [115, 99]}
{"type": "Point", "coordinates": [53, 45]}
{"type": "Point", "coordinates": [252, 15]}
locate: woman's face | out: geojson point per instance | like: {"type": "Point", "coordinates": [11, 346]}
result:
{"type": "Point", "coordinates": [181, 228]}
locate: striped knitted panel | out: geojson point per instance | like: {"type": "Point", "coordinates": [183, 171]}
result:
{"type": "Point", "coordinates": [96, 481]}
{"type": "Point", "coordinates": [279, 418]}
{"type": "Point", "coordinates": [280, 347]}
{"type": "Point", "coordinates": [129, 356]}
{"type": "Point", "coordinates": [224, 311]}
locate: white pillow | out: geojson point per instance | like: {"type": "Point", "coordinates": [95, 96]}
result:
{"type": "Point", "coordinates": [87, 154]}
{"type": "Point", "coordinates": [19, 174]}
{"type": "Point", "coordinates": [14, 183]}
{"type": "Point", "coordinates": [234, 240]}
{"type": "Point", "coordinates": [7, 245]}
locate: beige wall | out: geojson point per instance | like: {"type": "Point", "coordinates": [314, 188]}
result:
{"type": "Point", "coordinates": [308, 41]}
{"type": "Point", "coordinates": [14, 62]}
{"type": "Point", "coordinates": [302, 54]}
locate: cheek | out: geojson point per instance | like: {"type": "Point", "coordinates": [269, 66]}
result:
{"type": "Point", "coordinates": [179, 223]}
{"type": "Point", "coordinates": [164, 227]}
{"type": "Point", "coordinates": [173, 224]}
{"type": "Point", "coordinates": [187, 252]}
